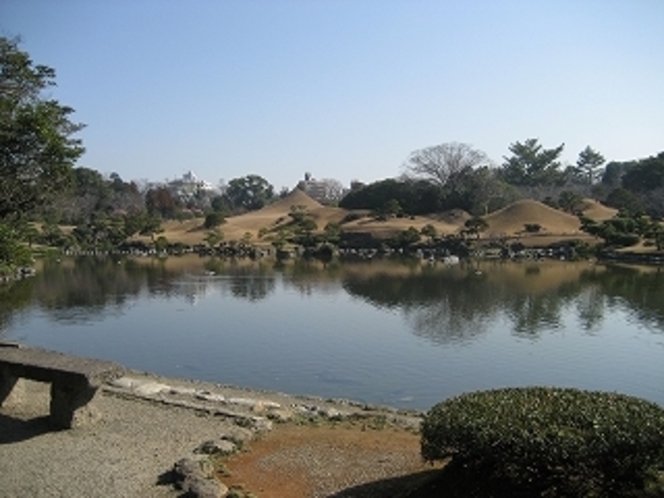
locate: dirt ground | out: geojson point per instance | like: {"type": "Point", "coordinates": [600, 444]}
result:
{"type": "Point", "coordinates": [359, 459]}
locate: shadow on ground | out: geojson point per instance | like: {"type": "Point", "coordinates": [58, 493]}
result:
{"type": "Point", "coordinates": [14, 430]}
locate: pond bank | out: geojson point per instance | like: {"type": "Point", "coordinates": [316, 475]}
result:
{"type": "Point", "coordinates": [148, 423]}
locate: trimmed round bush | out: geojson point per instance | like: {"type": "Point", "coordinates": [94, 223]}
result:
{"type": "Point", "coordinates": [576, 443]}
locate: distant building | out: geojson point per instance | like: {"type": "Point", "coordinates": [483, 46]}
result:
{"type": "Point", "coordinates": [325, 191]}
{"type": "Point", "coordinates": [190, 189]}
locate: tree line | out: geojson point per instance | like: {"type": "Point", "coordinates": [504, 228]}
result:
{"type": "Point", "coordinates": [40, 181]}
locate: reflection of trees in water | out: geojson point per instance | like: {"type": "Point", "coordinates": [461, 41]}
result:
{"type": "Point", "coordinates": [13, 298]}
{"type": "Point", "coordinates": [450, 306]}
{"type": "Point", "coordinates": [251, 282]}
{"type": "Point", "coordinates": [590, 307]}
{"type": "Point", "coordinates": [640, 291]}
{"type": "Point", "coordinates": [252, 287]}
{"type": "Point", "coordinates": [309, 276]}
{"type": "Point", "coordinates": [531, 312]}
{"type": "Point", "coordinates": [442, 306]}
{"type": "Point", "coordinates": [83, 288]}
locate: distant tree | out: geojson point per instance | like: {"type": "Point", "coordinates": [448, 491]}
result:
{"type": "Point", "coordinates": [407, 238]}
{"type": "Point", "coordinates": [647, 174]}
{"type": "Point", "coordinates": [614, 172]}
{"type": "Point", "coordinates": [219, 203]}
{"type": "Point", "coordinates": [624, 200]}
{"type": "Point", "coordinates": [249, 192]}
{"type": "Point", "coordinates": [532, 165]}
{"type": "Point", "coordinates": [479, 191]}
{"type": "Point", "coordinates": [151, 226]}
{"type": "Point", "coordinates": [298, 213]}
{"type": "Point", "coordinates": [332, 233]}
{"type": "Point", "coordinates": [644, 178]}
{"type": "Point", "coordinates": [476, 225]}
{"type": "Point", "coordinates": [160, 201]}
{"type": "Point", "coordinates": [429, 231]}
{"type": "Point", "coordinates": [414, 196]}
{"type": "Point", "coordinates": [589, 164]}
{"type": "Point", "coordinates": [214, 219]}
{"type": "Point", "coordinates": [441, 162]}
{"type": "Point", "coordinates": [214, 237]}
{"type": "Point", "coordinates": [37, 151]}
{"type": "Point", "coordinates": [571, 202]}
{"type": "Point", "coordinates": [390, 209]}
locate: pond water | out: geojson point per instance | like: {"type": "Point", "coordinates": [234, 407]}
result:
{"type": "Point", "coordinates": [402, 333]}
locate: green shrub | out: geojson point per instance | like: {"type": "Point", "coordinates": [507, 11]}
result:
{"type": "Point", "coordinates": [564, 442]}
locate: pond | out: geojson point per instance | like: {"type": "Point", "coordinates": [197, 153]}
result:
{"type": "Point", "coordinates": [403, 333]}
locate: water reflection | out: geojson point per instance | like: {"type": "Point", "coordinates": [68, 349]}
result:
{"type": "Point", "coordinates": [401, 332]}
{"type": "Point", "coordinates": [444, 304]}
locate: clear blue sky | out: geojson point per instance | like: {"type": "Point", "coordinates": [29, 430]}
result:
{"type": "Point", "coordinates": [345, 89]}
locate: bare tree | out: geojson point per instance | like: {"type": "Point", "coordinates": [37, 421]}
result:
{"type": "Point", "coordinates": [442, 162]}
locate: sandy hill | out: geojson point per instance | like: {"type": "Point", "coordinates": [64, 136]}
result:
{"type": "Point", "coordinates": [507, 221]}
{"type": "Point", "coordinates": [598, 211]}
{"type": "Point", "coordinates": [511, 219]}
{"type": "Point", "coordinates": [277, 214]}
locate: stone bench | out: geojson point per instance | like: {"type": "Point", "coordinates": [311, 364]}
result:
{"type": "Point", "coordinates": [74, 381]}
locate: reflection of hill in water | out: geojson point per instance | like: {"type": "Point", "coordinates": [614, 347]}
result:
{"type": "Point", "coordinates": [444, 304]}
{"type": "Point", "coordinates": [456, 304]}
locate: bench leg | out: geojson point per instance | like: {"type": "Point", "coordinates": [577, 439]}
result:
{"type": "Point", "coordinates": [11, 390]}
{"type": "Point", "coordinates": [71, 405]}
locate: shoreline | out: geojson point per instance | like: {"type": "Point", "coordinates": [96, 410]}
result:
{"type": "Point", "coordinates": [149, 422]}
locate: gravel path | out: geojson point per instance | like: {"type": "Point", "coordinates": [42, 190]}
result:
{"type": "Point", "coordinates": [148, 423]}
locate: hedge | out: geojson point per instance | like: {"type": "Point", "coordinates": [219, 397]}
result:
{"type": "Point", "coordinates": [567, 441]}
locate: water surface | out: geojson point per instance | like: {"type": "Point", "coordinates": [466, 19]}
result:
{"type": "Point", "coordinates": [403, 333]}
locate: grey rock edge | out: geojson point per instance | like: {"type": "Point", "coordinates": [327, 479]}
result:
{"type": "Point", "coordinates": [253, 412]}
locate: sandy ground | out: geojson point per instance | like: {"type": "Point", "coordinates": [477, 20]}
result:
{"type": "Point", "coordinates": [148, 423]}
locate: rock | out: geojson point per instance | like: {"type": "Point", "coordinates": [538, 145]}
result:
{"type": "Point", "coordinates": [185, 467]}
{"type": "Point", "coordinates": [281, 415]}
{"type": "Point", "coordinates": [222, 447]}
{"type": "Point", "coordinates": [208, 396]}
{"type": "Point", "coordinates": [200, 487]}
{"type": "Point", "coordinates": [150, 388]}
{"type": "Point", "coordinates": [195, 478]}
{"type": "Point", "coordinates": [182, 391]}
{"type": "Point", "coordinates": [238, 434]}
{"type": "Point", "coordinates": [330, 413]}
{"type": "Point", "coordinates": [124, 383]}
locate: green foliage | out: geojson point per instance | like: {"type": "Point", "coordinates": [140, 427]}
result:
{"type": "Point", "coordinates": [13, 252]}
{"type": "Point", "coordinates": [332, 233]}
{"type": "Point", "coordinates": [588, 164]}
{"type": "Point", "coordinates": [406, 238]}
{"type": "Point", "coordinates": [532, 165]}
{"type": "Point", "coordinates": [37, 150]}
{"type": "Point", "coordinates": [429, 231]}
{"type": "Point", "coordinates": [476, 225]}
{"type": "Point", "coordinates": [625, 201]}
{"type": "Point", "coordinates": [414, 196]}
{"type": "Point", "coordinates": [647, 174]}
{"type": "Point", "coordinates": [532, 227]}
{"type": "Point", "coordinates": [248, 193]}
{"type": "Point", "coordinates": [564, 441]}
{"type": "Point", "coordinates": [572, 202]}
{"type": "Point", "coordinates": [214, 219]}
{"type": "Point", "coordinates": [214, 237]}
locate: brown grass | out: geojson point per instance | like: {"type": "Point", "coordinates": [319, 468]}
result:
{"type": "Point", "coordinates": [597, 211]}
{"type": "Point", "coordinates": [511, 220]}
{"type": "Point", "coordinates": [507, 222]}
